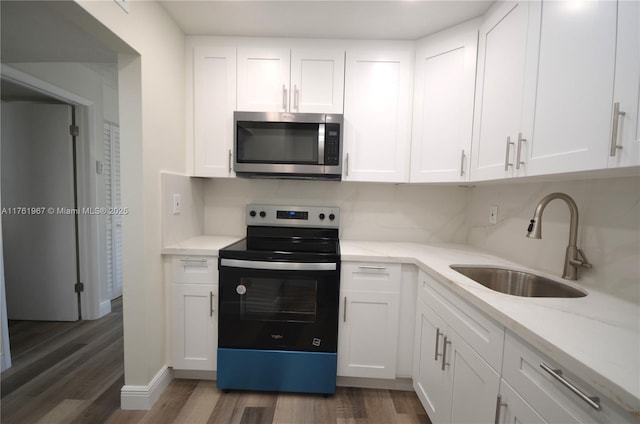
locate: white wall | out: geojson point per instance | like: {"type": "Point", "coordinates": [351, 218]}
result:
{"type": "Point", "coordinates": [190, 221]}
{"type": "Point", "coordinates": [608, 231]}
{"type": "Point", "coordinates": [152, 123]}
{"type": "Point", "coordinates": [397, 212]}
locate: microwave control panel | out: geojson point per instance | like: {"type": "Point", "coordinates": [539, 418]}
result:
{"type": "Point", "coordinates": [332, 144]}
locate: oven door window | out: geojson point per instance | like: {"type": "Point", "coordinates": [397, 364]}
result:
{"type": "Point", "coordinates": [277, 143]}
{"type": "Point", "coordinates": [275, 299]}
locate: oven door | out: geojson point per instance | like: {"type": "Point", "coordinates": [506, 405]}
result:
{"type": "Point", "coordinates": [278, 305]}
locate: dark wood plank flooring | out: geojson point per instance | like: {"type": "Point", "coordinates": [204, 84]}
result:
{"type": "Point", "coordinates": [71, 373]}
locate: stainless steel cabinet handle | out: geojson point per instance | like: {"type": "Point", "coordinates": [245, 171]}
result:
{"type": "Point", "coordinates": [344, 316]}
{"type": "Point", "coordinates": [520, 141]}
{"type": "Point", "coordinates": [210, 304]}
{"type": "Point", "coordinates": [438, 334]}
{"type": "Point", "coordinates": [296, 94]}
{"type": "Point", "coordinates": [230, 156]}
{"type": "Point", "coordinates": [444, 353]}
{"type": "Point", "coordinates": [462, 164]}
{"type": "Point", "coordinates": [284, 97]}
{"type": "Point", "coordinates": [507, 164]}
{"type": "Point", "coordinates": [499, 405]}
{"type": "Point", "coordinates": [617, 113]}
{"type": "Point", "coordinates": [593, 401]}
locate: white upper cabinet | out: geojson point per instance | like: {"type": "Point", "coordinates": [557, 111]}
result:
{"type": "Point", "coordinates": [263, 79]}
{"type": "Point", "coordinates": [443, 105]}
{"type": "Point", "coordinates": [505, 89]}
{"type": "Point", "coordinates": [214, 91]}
{"type": "Point", "coordinates": [317, 81]}
{"type": "Point", "coordinates": [282, 80]}
{"type": "Point", "coordinates": [625, 131]}
{"type": "Point", "coordinates": [573, 107]}
{"type": "Point", "coordinates": [377, 115]}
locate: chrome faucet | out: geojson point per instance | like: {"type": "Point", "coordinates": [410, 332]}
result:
{"type": "Point", "coordinates": [571, 260]}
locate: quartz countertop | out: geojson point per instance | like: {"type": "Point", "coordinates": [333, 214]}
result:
{"type": "Point", "coordinates": [597, 336]}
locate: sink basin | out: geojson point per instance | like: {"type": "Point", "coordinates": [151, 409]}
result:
{"type": "Point", "coordinates": [517, 283]}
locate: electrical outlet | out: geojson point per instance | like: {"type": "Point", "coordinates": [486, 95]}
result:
{"type": "Point", "coordinates": [493, 215]}
{"type": "Point", "coordinates": [177, 204]}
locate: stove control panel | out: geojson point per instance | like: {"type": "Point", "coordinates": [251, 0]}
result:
{"type": "Point", "coordinates": [293, 216]}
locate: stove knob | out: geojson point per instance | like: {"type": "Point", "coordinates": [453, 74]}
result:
{"type": "Point", "coordinates": [263, 214]}
{"type": "Point", "coordinates": [332, 217]}
{"type": "Point", "coordinates": [252, 214]}
{"type": "Point", "coordinates": [321, 217]}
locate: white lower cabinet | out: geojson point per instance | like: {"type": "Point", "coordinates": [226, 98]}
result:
{"type": "Point", "coordinates": [369, 317]}
{"type": "Point", "coordinates": [511, 408]}
{"type": "Point", "coordinates": [453, 382]}
{"type": "Point", "coordinates": [193, 304]}
{"type": "Point", "coordinates": [552, 398]}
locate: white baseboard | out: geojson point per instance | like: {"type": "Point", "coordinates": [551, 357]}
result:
{"type": "Point", "coordinates": [143, 397]}
{"type": "Point", "coordinates": [376, 383]}
{"type": "Point", "coordinates": [104, 308]}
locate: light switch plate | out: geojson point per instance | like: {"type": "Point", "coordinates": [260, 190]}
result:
{"type": "Point", "coordinates": [177, 204]}
{"type": "Point", "coordinates": [493, 214]}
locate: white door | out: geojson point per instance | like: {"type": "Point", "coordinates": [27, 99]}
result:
{"type": "Point", "coordinates": [368, 334]}
{"type": "Point", "coordinates": [263, 80]}
{"type": "Point", "coordinates": [443, 105]}
{"type": "Point", "coordinates": [317, 81]}
{"type": "Point", "coordinates": [627, 87]}
{"type": "Point", "coordinates": [575, 87]}
{"type": "Point", "coordinates": [194, 326]}
{"type": "Point", "coordinates": [39, 241]}
{"type": "Point", "coordinates": [505, 62]}
{"type": "Point", "coordinates": [514, 409]}
{"type": "Point", "coordinates": [377, 115]}
{"type": "Point", "coordinates": [214, 94]}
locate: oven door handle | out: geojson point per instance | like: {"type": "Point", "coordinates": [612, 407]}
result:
{"type": "Point", "coordinates": [284, 266]}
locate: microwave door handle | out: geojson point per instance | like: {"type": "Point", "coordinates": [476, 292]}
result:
{"type": "Point", "coordinates": [321, 129]}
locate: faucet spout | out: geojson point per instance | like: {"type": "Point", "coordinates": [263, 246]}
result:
{"type": "Point", "coordinates": [574, 257]}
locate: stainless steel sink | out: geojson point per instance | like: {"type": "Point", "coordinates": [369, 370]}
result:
{"type": "Point", "coordinates": [517, 283]}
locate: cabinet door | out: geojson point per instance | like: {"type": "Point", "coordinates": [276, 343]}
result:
{"type": "Point", "coordinates": [627, 87]}
{"type": "Point", "coordinates": [443, 105]}
{"type": "Point", "coordinates": [432, 385]}
{"type": "Point", "coordinates": [214, 91]}
{"type": "Point", "coordinates": [506, 59]}
{"type": "Point", "coordinates": [194, 326]}
{"type": "Point", "coordinates": [474, 383]}
{"type": "Point", "coordinates": [575, 87]}
{"type": "Point", "coordinates": [263, 80]}
{"type": "Point", "coordinates": [368, 334]}
{"type": "Point", "coordinates": [514, 409]}
{"type": "Point", "coordinates": [317, 81]}
{"type": "Point", "coordinates": [377, 115]}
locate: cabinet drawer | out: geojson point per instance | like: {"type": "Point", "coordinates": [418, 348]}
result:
{"type": "Point", "coordinates": [194, 269]}
{"type": "Point", "coordinates": [483, 334]}
{"type": "Point", "coordinates": [549, 397]}
{"type": "Point", "coordinates": [370, 276]}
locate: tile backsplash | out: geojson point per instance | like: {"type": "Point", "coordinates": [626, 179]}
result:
{"type": "Point", "coordinates": [608, 229]}
{"type": "Point", "coordinates": [395, 212]}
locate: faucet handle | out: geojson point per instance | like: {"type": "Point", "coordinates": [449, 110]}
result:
{"type": "Point", "coordinates": [584, 263]}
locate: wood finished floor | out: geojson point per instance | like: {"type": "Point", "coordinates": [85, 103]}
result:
{"type": "Point", "coordinates": [71, 373]}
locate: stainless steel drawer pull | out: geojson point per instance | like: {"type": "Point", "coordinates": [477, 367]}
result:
{"type": "Point", "coordinates": [462, 157]}
{"type": "Point", "coordinates": [191, 260]}
{"type": "Point", "coordinates": [210, 304]}
{"type": "Point", "coordinates": [499, 405]}
{"type": "Point", "coordinates": [617, 113]}
{"type": "Point", "coordinates": [230, 156]}
{"type": "Point", "coordinates": [438, 334]}
{"type": "Point", "coordinates": [593, 401]}
{"type": "Point", "coordinates": [444, 353]}
{"type": "Point", "coordinates": [372, 267]}
{"type": "Point", "coordinates": [284, 97]}
{"type": "Point", "coordinates": [344, 316]}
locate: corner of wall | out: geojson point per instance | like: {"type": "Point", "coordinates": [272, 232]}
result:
{"type": "Point", "coordinates": [143, 397]}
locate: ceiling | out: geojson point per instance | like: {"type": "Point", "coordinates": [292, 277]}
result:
{"type": "Point", "coordinates": [389, 20]}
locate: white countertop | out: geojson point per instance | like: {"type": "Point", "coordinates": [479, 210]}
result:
{"type": "Point", "coordinates": [596, 336]}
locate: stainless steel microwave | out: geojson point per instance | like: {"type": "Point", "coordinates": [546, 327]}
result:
{"type": "Point", "coordinates": [288, 145]}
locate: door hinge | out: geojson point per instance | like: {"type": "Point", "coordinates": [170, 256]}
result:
{"type": "Point", "coordinates": [74, 130]}
{"type": "Point", "coordinates": [79, 287]}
